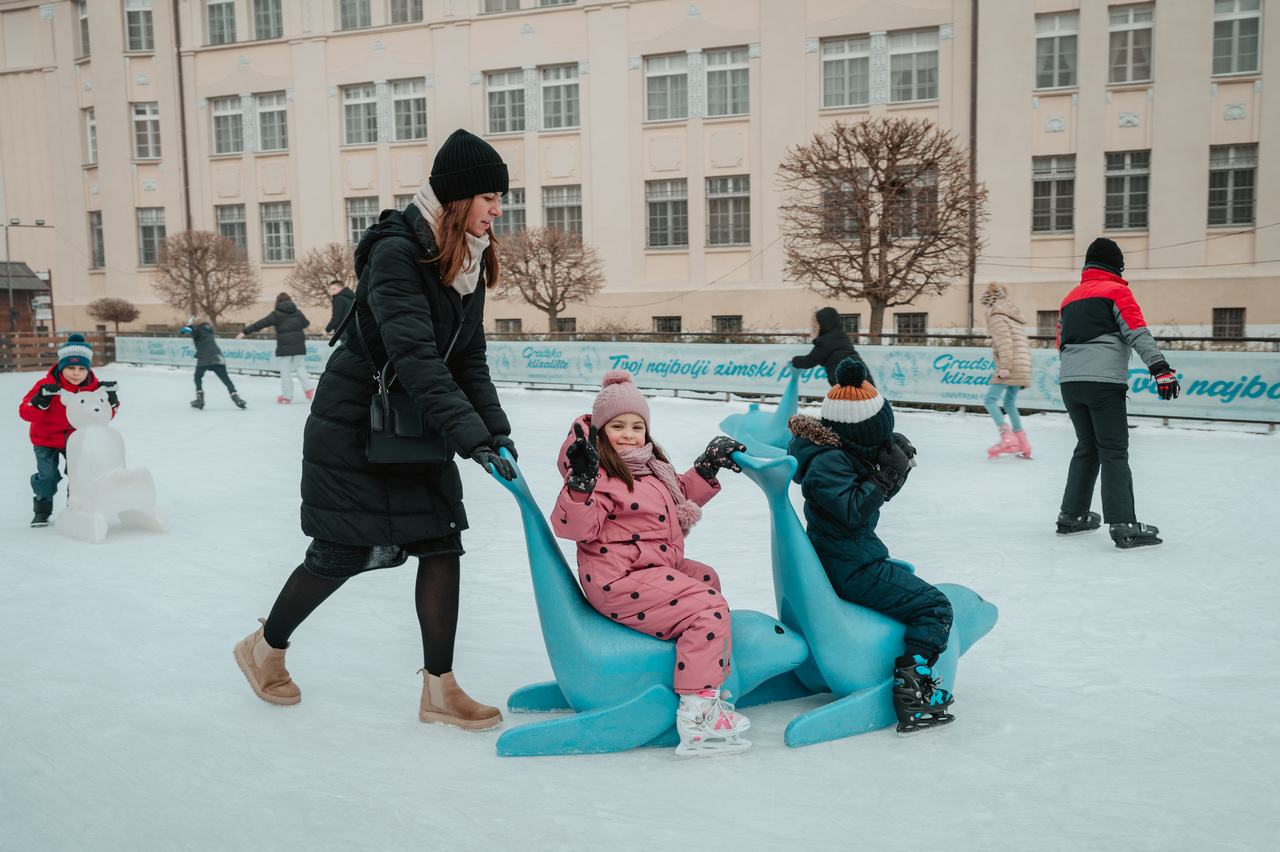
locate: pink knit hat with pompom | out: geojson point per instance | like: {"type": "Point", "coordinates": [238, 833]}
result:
{"type": "Point", "coordinates": [618, 395]}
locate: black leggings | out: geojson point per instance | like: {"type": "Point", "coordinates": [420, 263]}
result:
{"type": "Point", "coordinates": [219, 370]}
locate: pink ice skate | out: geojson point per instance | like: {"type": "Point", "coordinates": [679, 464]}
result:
{"type": "Point", "coordinates": [1024, 446]}
{"type": "Point", "coordinates": [1008, 444]}
{"type": "Point", "coordinates": [708, 725]}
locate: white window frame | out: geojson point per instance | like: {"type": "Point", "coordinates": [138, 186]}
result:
{"type": "Point", "coordinates": [151, 233]}
{"type": "Point", "coordinates": [405, 12]}
{"type": "Point", "coordinates": [403, 201]}
{"type": "Point", "coordinates": [1138, 17]}
{"type": "Point", "coordinates": [1052, 32]}
{"type": "Point", "coordinates": [1234, 13]}
{"type": "Point", "coordinates": [146, 130]}
{"type": "Point", "coordinates": [666, 76]}
{"type": "Point", "coordinates": [558, 92]}
{"type": "Point", "coordinates": [227, 124]}
{"type": "Point", "coordinates": [846, 60]}
{"type": "Point", "coordinates": [507, 326]}
{"type": "Point", "coordinates": [1049, 175]}
{"type": "Point", "coordinates": [82, 30]}
{"type": "Point", "coordinates": [562, 207]}
{"type": "Point", "coordinates": [729, 201]}
{"type": "Point", "coordinates": [728, 74]}
{"type": "Point", "coordinates": [488, 7]}
{"type": "Point", "coordinates": [1230, 164]}
{"type": "Point", "coordinates": [268, 19]}
{"type": "Point", "coordinates": [545, 3]}
{"type": "Point", "coordinates": [226, 21]}
{"type": "Point", "coordinates": [355, 14]}
{"type": "Point", "coordinates": [91, 134]}
{"type": "Point", "coordinates": [667, 205]}
{"type": "Point", "coordinates": [1131, 217]}
{"type": "Point", "coordinates": [362, 213]}
{"type": "Point", "coordinates": [97, 245]}
{"type": "Point", "coordinates": [409, 101]}
{"type": "Point", "coordinates": [913, 48]}
{"type": "Point", "coordinates": [233, 223]}
{"type": "Point", "coordinates": [277, 232]}
{"type": "Point", "coordinates": [513, 213]}
{"type": "Point", "coordinates": [505, 92]}
{"type": "Point", "coordinates": [139, 34]}
{"type": "Point", "coordinates": [360, 105]}
{"type": "Point", "coordinates": [273, 121]}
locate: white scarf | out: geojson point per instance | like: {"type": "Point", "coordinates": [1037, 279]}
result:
{"type": "Point", "coordinates": [431, 209]}
{"type": "Point", "coordinates": [640, 461]}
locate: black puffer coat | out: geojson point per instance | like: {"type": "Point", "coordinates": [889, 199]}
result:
{"type": "Point", "coordinates": [830, 347]}
{"type": "Point", "coordinates": [408, 316]}
{"type": "Point", "coordinates": [207, 351]}
{"type": "Point", "coordinates": [341, 304]}
{"type": "Point", "coordinates": [289, 323]}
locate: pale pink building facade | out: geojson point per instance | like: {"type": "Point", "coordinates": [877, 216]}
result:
{"type": "Point", "coordinates": [653, 126]}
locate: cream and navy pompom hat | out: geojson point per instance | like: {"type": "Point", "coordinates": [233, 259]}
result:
{"type": "Point", "coordinates": [856, 411]}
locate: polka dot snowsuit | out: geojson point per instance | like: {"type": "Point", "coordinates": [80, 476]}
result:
{"type": "Point", "coordinates": [632, 568]}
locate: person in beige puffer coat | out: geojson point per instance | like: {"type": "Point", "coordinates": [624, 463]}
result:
{"type": "Point", "coordinates": [1012, 353]}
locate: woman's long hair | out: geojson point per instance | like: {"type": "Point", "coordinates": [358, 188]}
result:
{"type": "Point", "coordinates": [612, 462]}
{"type": "Point", "coordinates": [282, 297]}
{"type": "Point", "coordinates": [451, 239]}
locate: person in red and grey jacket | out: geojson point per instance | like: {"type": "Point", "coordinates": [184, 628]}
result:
{"type": "Point", "coordinates": [1098, 324]}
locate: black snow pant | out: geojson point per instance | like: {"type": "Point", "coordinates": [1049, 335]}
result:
{"type": "Point", "coordinates": [1097, 411]}
{"type": "Point", "coordinates": [219, 370]}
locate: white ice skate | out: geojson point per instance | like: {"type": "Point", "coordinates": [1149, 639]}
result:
{"type": "Point", "coordinates": [709, 726]}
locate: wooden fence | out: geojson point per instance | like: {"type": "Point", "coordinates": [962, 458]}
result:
{"type": "Point", "coordinates": [27, 351]}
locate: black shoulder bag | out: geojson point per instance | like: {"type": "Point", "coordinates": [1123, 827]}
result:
{"type": "Point", "coordinates": [398, 430]}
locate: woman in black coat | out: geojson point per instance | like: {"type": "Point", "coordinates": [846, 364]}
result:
{"type": "Point", "coordinates": [423, 273]}
{"type": "Point", "coordinates": [291, 345]}
{"type": "Point", "coordinates": [830, 346]}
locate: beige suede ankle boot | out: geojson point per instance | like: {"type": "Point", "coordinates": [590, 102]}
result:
{"type": "Point", "coordinates": [444, 703]}
{"type": "Point", "coordinates": [263, 666]}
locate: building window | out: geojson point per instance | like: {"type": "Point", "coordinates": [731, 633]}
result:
{"type": "Point", "coordinates": [91, 135]}
{"type": "Point", "coordinates": [354, 14]}
{"type": "Point", "coordinates": [726, 325]}
{"type": "Point", "coordinates": [82, 13]}
{"type": "Point", "coordinates": [512, 218]}
{"type": "Point", "coordinates": [910, 325]}
{"type": "Point", "coordinates": [1228, 322]}
{"type": "Point", "coordinates": [500, 6]}
{"type": "Point", "coordinates": [728, 78]}
{"type": "Point", "coordinates": [911, 206]}
{"type": "Point", "coordinates": [566, 324]}
{"type": "Point", "coordinates": [409, 107]}
{"type": "Point", "coordinates": [729, 211]}
{"type": "Point", "coordinates": [913, 66]}
{"type": "Point", "coordinates": [843, 206]}
{"type": "Point", "coordinates": [406, 11]}
{"type": "Point", "coordinates": [1236, 25]}
{"type": "Point", "coordinates": [277, 232]}
{"type": "Point", "coordinates": [1056, 38]}
{"type": "Point", "coordinates": [221, 17]}
{"type": "Point", "coordinates": [666, 325]}
{"type": "Point", "coordinates": [360, 114]}
{"type": "Point", "coordinates": [846, 72]}
{"type": "Point", "coordinates": [98, 258]}
{"type": "Point", "coordinates": [1232, 171]}
{"type": "Point", "coordinates": [231, 224]}
{"type": "Point", "coordinates": [1053, 194]}
{"type": "Point", "coordinates": [666, 87]}
{"type": "Point", "coordinates": [668, 202]}
{"type": "Point", "coordinates": [137, 25]}
{"type": "Point", "coordinates": [506, 101]}
{"type": "Point", "coordinates": [506, 326]}
{"type": "Point", "coordinates": [268, 20]}
{"type": "Point", "coordinates": [150, 234]}
{"type": "Point", "coordinates": [1129, 53]}
{"type": "Point", "coordinates": [560, 97]}
{"type": "Point", "coordinates": [146, 131]}
{"type": "Point", "coordinates": [562, 208]}
{"type": "Point", "coordinates": [850, 323]}
{"type": "Point", "coordinates": [402, 202]}
{"type": "Point", "coordinates": [1128, 182]}
{"type": "Point", "coordinates": [273, 122]}
{"type": "Point", "coordinates": [361, 214]}
{"type": "Point", "coordinates": [556, 2]}
{"type": "Point", "coordinates": [1047, 323]}
{"type": "Point", "coordinates": [228, 130]}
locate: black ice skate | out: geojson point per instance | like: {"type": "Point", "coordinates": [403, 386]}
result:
{"type": "Point", "coordinates": [1129, 536]}
{"type": "Point", "coordinates": [43, 509]}
{"type": "Point", "coordinates": [235, 397]}
{"type": "Point", "coordinates": [1076, 524]}
{"type": "Point", "coordinates": [198, 402]}
{"type": "Point", "coordinates": [918, 699]}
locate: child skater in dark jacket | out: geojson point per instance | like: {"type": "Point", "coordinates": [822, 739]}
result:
{"type": "Point", "coordinates": [851, 462]}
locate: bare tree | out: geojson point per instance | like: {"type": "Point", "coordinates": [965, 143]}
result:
{"type": "Point", "coordinates": [879, 210]}
{"type": "Point", "coordinates": [317, 268]}
{"type": "Point", "coordinates": [202, 273]}
{"type": "Point", "coordinates": [549, 269]}
{"type": "Point", "coordinates": [111, 309]}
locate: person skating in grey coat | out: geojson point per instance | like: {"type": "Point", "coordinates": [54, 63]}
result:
{"type": "Point", "coordinates": [291, 345]}
{"type": "Point", "coordinates": [208, 358]}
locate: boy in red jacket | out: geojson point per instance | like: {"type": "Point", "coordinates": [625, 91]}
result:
{"type": "Point", "coordinates": [42, 408]}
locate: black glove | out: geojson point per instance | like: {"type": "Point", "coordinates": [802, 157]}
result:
{"type": "Point", "coordinates": [110, 388]}
{"type": "Point", "coordinates": [1166, 380]}
{"type": "Point", "coordinates": [44, 396]}
{"type": "Point", "coordinates": [901, 440]}
{"type": "Point", "coordinates": [498, 442]}
{"type": "Point", "coordinates": [486, 457]}
{"type": "Point", "coordinates": [892, 465]}
{"type": "Point", "coordinates": [717, 455]}
{"type": "Point", "coordinates": [584, 460]}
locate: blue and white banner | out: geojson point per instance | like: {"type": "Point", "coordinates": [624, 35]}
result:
{"type": "Point", "coordinates": [247, 354]}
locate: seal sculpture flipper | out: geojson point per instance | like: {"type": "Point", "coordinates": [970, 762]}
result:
{"type": "Point", "coordinates": [617, 728]}
{"type": "Point", "coordinates": [538, 698]}
{"type": "Point", "coordinates": [756, 429]}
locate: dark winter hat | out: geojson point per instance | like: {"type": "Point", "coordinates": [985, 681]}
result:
{"type": "Point", "coordinates": [856, 411]}
{"type": "Point", "coordinates": [466, 165]}
{"type": "Point", "coordinates": [1104, 254]}
{"type": "Point", "coordinates": [75, 353]}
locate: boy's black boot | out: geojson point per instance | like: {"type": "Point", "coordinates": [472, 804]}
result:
{"type": "Point", "coordinates": [235, 397]}
{"type": "Point", "coordinates": [1129, 536]}
{"type": "Point", "coordinates": [1069, 524]}
{"type": "Point", "coordinates": [43, 509]}
{"type": "Point", "coordinates": [198, 402]}
{"type": "Point", "coordinates": [919, 701]}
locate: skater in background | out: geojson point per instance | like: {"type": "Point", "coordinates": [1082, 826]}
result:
{"type": "Point", "coordinates": [291, 345]}
{"type": "Point", "coordinates": [629, 511]}
{"type": "Point", "coordinates": [831, 345]}
{"type": "Point", "coordinates": [1099, 323]}
{"type": "Point", "coordinates": [423, 273]}
{"type": "Point", "coordinates": [1012, 353]}
{"type": "Point", "coordinates": [208, 359]}
{"type": "Point", "coordinates": [343, 299]}
{"type": "Point", "coordinates": [851, 463]}
{"type": "Point", "coordinates": [43, 409]}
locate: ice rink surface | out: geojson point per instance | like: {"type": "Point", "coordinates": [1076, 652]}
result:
{"type": "Point", "coordinates": [1124, 701]}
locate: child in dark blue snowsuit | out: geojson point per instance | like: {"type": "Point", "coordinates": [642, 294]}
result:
{"type": "Point", "coordinates": [851, 462]}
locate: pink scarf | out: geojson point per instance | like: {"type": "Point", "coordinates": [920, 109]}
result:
{"type": "Point", "coordinates": [640, 461]}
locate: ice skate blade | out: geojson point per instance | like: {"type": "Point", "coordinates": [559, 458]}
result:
{"type": "Point", "coordinates": [1121, 546]}
{"type": "Point", "coordinates": [1076, 532]}
{"type": "Point", "coordinates": [926, 725]}
{"type": "Point", "coordinates": [711, 748]}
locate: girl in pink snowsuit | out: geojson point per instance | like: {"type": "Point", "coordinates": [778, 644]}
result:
{"type": "Point", "coordinates": [629, 512]}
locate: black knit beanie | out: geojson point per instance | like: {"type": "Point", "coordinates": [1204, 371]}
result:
{"type": "Point", "coordinates": [1105, 254]}
{"type": "Point", "coordinates": [466, 165]}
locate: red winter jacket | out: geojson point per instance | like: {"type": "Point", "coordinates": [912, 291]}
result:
{"type": "Point", "coordinates": [49, 428]}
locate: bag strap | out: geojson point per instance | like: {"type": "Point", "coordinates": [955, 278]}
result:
{"type": "Point", "coordinates": [381, 375]}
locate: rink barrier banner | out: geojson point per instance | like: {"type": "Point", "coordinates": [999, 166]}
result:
{"type": "Point", "coordinates": [1241, 386]}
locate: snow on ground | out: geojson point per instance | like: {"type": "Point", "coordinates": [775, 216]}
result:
{"type": "Point", "coordinates": [1123, 701]}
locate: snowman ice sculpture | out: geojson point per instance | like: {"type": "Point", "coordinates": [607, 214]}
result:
{"type": "Point", "coordinates": [99, 485]}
